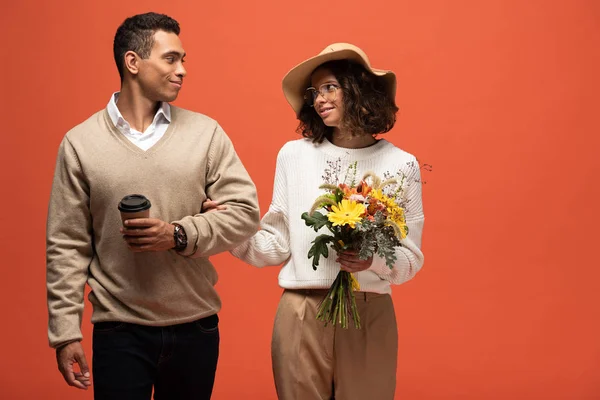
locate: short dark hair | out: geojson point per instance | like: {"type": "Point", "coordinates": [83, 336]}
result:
{"type": "Point", "coordinates": [368, 107]}
{"type": "Point", "coordinates": [137, 34]}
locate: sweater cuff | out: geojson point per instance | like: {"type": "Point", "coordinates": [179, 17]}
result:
{"type": "Point", "coordinates": [56, 342]}
{"type": "Point", "coordinates": [63, 328]}
{"type": "Point", "coordinates": [60, 345]}
{"type": "Point", "coordinates": [379, 267]}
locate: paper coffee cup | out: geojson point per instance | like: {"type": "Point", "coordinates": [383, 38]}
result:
{"type": "Point", "coordinates": [134, 206]}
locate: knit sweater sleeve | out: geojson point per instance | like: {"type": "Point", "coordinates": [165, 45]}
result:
{"type": "Point", "coordinates": [69, 248]}
{"type": "Point", "coordinates": [409, 257]}
{"type": "Point", "coordinates": [228, 181]}
{"type": "Point", "coordinates": [271, 244]}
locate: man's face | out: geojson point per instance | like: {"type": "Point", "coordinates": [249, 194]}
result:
{"type": "Point", "coordinates": [161, 75]}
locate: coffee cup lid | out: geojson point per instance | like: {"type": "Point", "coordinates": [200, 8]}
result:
{"type": "Point", "coordinates": [134, 203]}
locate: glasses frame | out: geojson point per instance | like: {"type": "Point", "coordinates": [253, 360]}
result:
{"type": "Point", "coordinates": [312, 92]}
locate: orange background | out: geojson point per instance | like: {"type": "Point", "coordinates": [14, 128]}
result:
{"type": "Point", "coordinates": [500, 96]}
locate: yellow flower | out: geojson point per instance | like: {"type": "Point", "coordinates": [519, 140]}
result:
{"type": "Point", "coordinates": [347, 212]}
{"type": "Point", "coordinates": [377, 194]}
{"type": "Point", "coordinates": [354, 282]}
{"type": "Point", "coordinates": [397, 215]}
{"type": "Point", "coordinates": [383, 199]}
{"type": "Point", "coordinates": [394, 211]}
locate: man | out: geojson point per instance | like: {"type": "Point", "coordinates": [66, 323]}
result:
{"type": "Point", "coordinates": [154, 303]}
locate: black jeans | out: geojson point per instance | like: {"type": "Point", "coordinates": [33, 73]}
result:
{"type": "Point", "coordinates": [178, 361]}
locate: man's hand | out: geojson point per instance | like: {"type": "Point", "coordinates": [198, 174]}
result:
{"type": "Point", "coordinates": [68, 355]}
{"type": "Point", "coordinates": [210, 205]}
{"type": "Point", "coordinates": [351, 263]}
{"type": "Point", "coordinates": [148, 234]}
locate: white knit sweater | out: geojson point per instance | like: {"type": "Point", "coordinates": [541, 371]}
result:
{"type": "Point", "coordinates": [284, 238]}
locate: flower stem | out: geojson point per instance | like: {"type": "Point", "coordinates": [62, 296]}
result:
{"type": "Point", "coordinates": [339, 305]}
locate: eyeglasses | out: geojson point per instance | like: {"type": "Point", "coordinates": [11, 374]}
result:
{"type": "Point", "coordinates": [327, 90]}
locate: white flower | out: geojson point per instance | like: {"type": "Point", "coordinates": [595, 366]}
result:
{"type": "Point", "coordinates": [359, 198]}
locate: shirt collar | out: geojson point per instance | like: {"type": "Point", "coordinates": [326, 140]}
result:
{"type": "Point", "coordinates": [117, 119]}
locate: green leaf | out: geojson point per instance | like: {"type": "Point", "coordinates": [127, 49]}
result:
{"type": "Point", "coordinates": [316, 220]}
{"type": "Point", "coordinates": [319, 248]}
{"type": "Point", "coordinates": [339, 195]}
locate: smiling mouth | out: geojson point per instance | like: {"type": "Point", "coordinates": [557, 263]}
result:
{"type": "Point", "coordinates": [325, 111]}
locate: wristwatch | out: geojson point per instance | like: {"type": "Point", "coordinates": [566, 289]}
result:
{"type": "Point", "coordinates": [180, 238]}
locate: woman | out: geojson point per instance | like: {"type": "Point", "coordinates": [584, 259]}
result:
{"type": "Point", "coordinates": [341, 103]}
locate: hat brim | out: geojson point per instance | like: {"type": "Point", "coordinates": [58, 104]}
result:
{"type": "Point", "coordinates": [297, 79]}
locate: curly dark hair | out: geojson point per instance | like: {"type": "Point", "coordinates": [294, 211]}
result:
{"type": "Point", "coordinates": [137, 34]}
{"type": "Point", "coordinates": [368, 108]}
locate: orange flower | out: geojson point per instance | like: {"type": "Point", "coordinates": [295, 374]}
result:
{"type": "Point", "coordinates": [363, 188]}
{"type": "Point", "coordinates": [347, 190]}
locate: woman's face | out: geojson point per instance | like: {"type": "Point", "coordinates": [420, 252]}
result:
{"type": "Point", "coordinates": [327, 96]}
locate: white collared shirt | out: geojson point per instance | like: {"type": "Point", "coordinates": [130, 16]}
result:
{"type": "Point", "coordinates": [152, 134]}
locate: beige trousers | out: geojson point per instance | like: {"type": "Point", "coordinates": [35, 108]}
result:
{"type": "Point", "coordinates": [311, 361]}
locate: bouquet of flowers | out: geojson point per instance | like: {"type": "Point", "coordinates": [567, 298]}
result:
{"type": "Point", "coordinates": [365, 216]}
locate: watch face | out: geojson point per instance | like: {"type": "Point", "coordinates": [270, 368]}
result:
{"type": "Point", "coordinates": [180, 237]}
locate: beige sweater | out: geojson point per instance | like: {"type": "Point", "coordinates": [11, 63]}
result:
{"type": "Point", "coordinates": [95, 168]}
